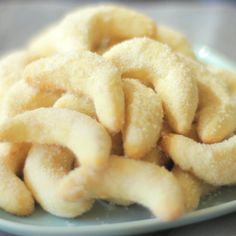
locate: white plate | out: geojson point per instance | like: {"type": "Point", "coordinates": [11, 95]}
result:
{"type": "Point", "coordinates": [107, 219]}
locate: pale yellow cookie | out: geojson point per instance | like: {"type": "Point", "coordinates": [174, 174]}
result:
{"type": "Point", "coordinates": [89, 28]}
{"type": "Point", "coordinates": [87, 73]}
{"type": "Point", "coordinates": [44, 169]}
{"type": "Point", "coordinates": [143, 119]}
{"type": "Point", "coordinates": [213, 163]}
{"type": "Point", "coordinates": [129, 180]}
{"type": "Point", "coordinates": [84, 136]}
{"type": "Point", "coordinates": [11, 69]}
{"type": "Point", "coordinates": [154, 63]}
{"type": "Point", "coordinates": [15, 197]}
{"type": "Point", "coordinates": [76, 102]}
{"type": "Point", "coordinates": [217, 109]}
{"type": "Point", "coordinates": [22, 97]}
{"type": "Point", "coordinates": [191, 186]}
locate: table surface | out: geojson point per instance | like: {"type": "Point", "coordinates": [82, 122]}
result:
{"type": "Point", "coordinates": [212, 24]}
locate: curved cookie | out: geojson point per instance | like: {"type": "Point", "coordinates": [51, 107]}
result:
{"type": "Point", "coordinates": [213, 163]}
{"type": "Point", "coordinates": [44, 169]}
{"type": "Point", "coordinates": [143, 119]}
{"type": "Point", "coordinates": [217, 109]}
{"type": "Point", "coordinates": [152, 186]}
{"type": "Point", "coordinates": [88, 140]}
{"type": "Point", "coordinates": [22, 97]}
{"type": "Point", "coordinates": [157, 65]}
{"type": "Point", "coordinates": [87, 28]}
{"type": "Point", "coordinates": [84, 72]}
{"type": "Point", "coordinates": [15, 198]}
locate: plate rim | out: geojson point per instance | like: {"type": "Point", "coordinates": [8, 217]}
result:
{"type": "Point", "coordinates": [145, 225]}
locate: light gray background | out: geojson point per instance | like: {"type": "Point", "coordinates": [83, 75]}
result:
{"type": "Point", "coordinates": [211, 23]}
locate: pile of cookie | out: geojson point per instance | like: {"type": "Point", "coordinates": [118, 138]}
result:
{"type": "Point", "coordinates": [107, 104]}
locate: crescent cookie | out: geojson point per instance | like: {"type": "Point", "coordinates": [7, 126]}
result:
{"type": "Point", "coordinates": [87, 73]}
{"type": "Point", "coordinates": [84, 136]}
{"type": "Point", "coordinates": [143, 119]}
{"type": "Point", "coordinates": [45, 167]}
{"type": "Point", "coordinates": [155, 64]}
{"type": "Point", "coordinates": [22, 97]}
{"type": "Point", "coordinates": [88, 28]}
{"type": "Point", "coordinates": [152, 186]}
{"type": "Point", "coordinates": [15, 197]}
{"type": "Point", "coordinates": [217, 109]}
{"type": "Point", "coordinates": [213, 163]}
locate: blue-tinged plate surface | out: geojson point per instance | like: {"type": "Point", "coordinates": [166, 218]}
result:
{"type": "Point", "coordinates": [107, 219]}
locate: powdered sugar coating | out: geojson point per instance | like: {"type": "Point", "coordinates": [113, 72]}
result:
{"type": "Point", "coordinates": [217, 108]}
{"type": "Point", "coordinates": [15, 197]}
{"type": "Point", "coordinates": [76, 102]}
{"type": "Point", "coordinates": [86, 28]}
{"type": "Point", "coordinates": [155, 63]}
{"type": "Point", "coordinates": [88, 140]}
{"type": "Point", "coordinates": [11, 69]}
{"type": "Point", "coordinates": [143, 119]}
{"type": "Point", "coordinates": [44, 169]}
{"type": "Point", "coordinates": [213, 163]}
{"type": "Point", "coordinates": [129, 180]}
{"type": "Point", "coordinates": [87, 73]}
